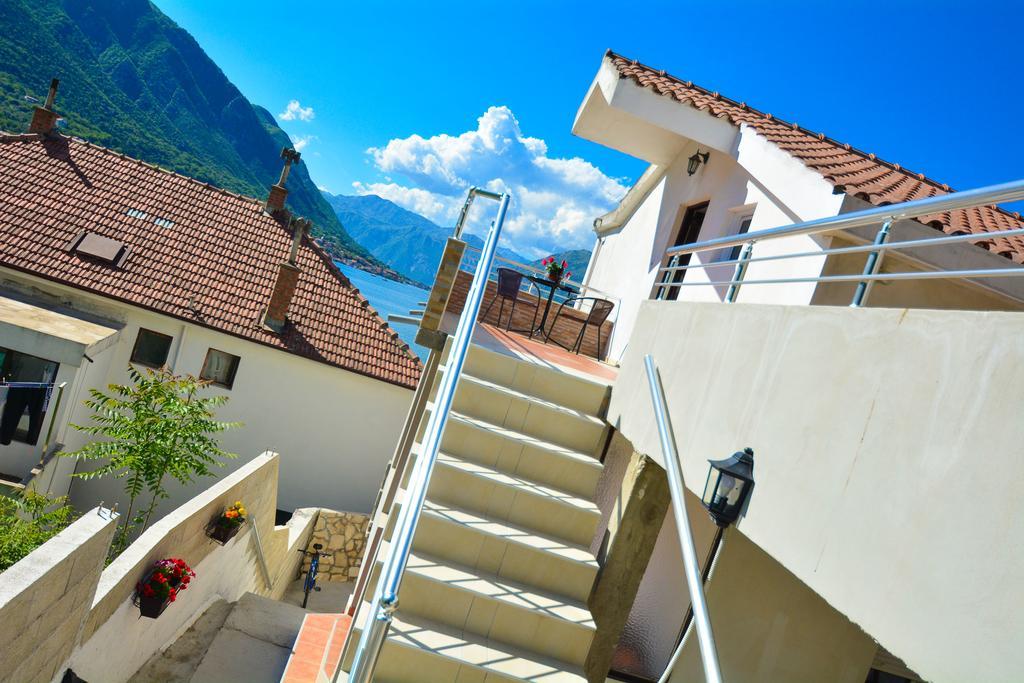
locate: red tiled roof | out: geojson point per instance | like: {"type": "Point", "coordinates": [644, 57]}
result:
{"type": "Point", "coordinates": [850, 170]}
{"type": "Point", "coordinates": [213, 265]}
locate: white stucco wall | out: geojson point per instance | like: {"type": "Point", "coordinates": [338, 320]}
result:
{"type": "Point", "coordinates": [335, 430]}
{"type": "Point", "coordinates": [758, 180]}
{"type": "Point", "coordinates": [888, 459]}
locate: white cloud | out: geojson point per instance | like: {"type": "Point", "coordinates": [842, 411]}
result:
{"type": "Point", "coordinates": [295, 111]}
{"type": "Point", "coordinates": [555, 200]}
{"type": "Point", "coordinates": [302, 141]}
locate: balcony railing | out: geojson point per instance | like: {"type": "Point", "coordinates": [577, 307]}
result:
{"type": "Point", "coordinates": [670, 279]}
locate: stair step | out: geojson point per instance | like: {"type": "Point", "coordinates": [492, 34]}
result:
{"type": "Point", "coordinates": [317, 648]}
{"type": "Point", "coordinates": [536, 417]}
{"type": "Point", "coordinates": [419, 650]}
{"type": "Point", "coordinates": [526, 456]}
{"type": "Point", "coordinates": [504, 611]}
{"type": "Point", "coordinates": [503, 496]}
{"type": "Point", "coordinates": [503, 549]}
{"type": "Point", "coordinates": [538, 380]}
{"type": "Point", "coordinates": [521, 395]}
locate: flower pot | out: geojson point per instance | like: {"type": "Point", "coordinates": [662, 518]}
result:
{"type": "Point", "coordinates": [152, 606]}
{"type": "Point", "coordinates": [221, 533]}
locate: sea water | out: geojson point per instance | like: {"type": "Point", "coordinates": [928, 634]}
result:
{"type": "Point", "coordinates": [389, 297]}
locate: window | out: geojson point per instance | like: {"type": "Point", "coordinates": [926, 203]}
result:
{"type": "Point", "coordinates": [734, 253]}
{"type": "Point", "coordinates": [24, 407]}
{"type": "Point", "coordinates": [151, 348]}
{"type": "Point", "coordinates": [220, 368]}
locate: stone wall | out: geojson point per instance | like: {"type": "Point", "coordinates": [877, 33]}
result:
{"type": "Point", "coordinates": [343, 534]}
{"type": "Point", "coordinates": [44, 599]}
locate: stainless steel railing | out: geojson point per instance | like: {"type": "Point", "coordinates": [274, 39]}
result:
{"type": "Point", "coordinates": [691, 566]}
{"type": "Point", "coordinates": [385, 599]}
{"type": "Point", "coordinates": [670, 277]}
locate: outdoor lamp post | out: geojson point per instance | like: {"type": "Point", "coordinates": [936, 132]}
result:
{"type": "Point", "coordinates": [728, 485]}
{"type": "Point", "coordinates": [696, 160]}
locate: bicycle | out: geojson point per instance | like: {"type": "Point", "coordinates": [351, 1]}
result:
{"type": "Point", "coordinates": [314, 566]}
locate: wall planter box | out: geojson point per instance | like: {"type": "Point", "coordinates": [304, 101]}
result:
{"type": "Point", "coordinates": [151, 607]}
{"type": "Point", "coordinates": [222, 533]}
{"type": "Point", "coordinates": [161, 586]}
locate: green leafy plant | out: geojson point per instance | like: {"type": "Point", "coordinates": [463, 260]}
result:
{"type": "Point", "coordinates": [154, 430]}
{"type": "Point", "coordinates": [28, 520]}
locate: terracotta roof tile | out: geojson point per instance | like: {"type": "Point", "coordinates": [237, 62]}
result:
{"type": "Point", "coordinates": [199, 253]}
{"type": "Point", "coordinates": [850, 170]}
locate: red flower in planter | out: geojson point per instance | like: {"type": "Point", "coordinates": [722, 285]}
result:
{"type": "Point", "coordinates": [166, 579]}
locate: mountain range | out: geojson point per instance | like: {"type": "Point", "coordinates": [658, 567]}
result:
{"type": "Point", "coordinates": [134, 81]}
{"type": "Point", "coordinates": [412, 244]}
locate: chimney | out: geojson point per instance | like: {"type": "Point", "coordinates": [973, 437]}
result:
{"type": "Point", "coordinates": [287, 280]}
{"type": "Point", "coordinates": [44, 118]}
{"type": "Point", "coordinates": [278, 192]}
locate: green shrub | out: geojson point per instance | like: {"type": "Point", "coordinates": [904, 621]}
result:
{"type": "Point", "coordinates": [27, 521]}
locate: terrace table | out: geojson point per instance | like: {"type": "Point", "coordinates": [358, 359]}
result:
{"type": "Point", "coordinates": [553, 287]}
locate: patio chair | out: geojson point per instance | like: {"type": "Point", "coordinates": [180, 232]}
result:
{"type": "Point", "coordinates": [600, 309]}
{"type": "Point", "coordinates": [509, 282]}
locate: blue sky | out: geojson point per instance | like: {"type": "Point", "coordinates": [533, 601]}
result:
{"type": "Point", "coordinates": [936, 86]}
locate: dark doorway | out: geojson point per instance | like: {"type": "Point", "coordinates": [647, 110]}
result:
{"type": "Point", "coordinates": [689, 231]}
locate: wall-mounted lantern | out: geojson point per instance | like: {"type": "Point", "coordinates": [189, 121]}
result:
{"type": "Point", "coordinates": [696, 160]}
{"type": "Point", "coordinates": [728, 485]}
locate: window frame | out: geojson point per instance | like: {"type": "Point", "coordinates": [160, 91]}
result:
{"type": "Point", "coordinates": [135, 348]}
{"type": "Point", "coordinates": [234, 369]}
{"type": "Point", "coordinates": [742, 228]}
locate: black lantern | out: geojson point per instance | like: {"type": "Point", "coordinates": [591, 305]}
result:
{"type": "Point", "coordinates": [696, 160]}
{"type": "Point", "coordinates": [728, 486]}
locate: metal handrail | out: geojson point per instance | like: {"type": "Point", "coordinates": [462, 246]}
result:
{"type": "Point", "coordinates": [982, 196]}
{"type": "Point", "coordinates": [857, 249]}
{"type": "Point", "coordinates": [691, 567]}
{"type": "Point", "coordinates": [670, 275]}
{"type": "Point", "coordinates": [385, 599]}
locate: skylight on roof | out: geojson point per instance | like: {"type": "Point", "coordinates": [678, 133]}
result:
{"type": "Point", "coordinates": [137, 213]}
{"type": "Point", "coordinates": [96, 247]}
{"type": "Point", "coordinates": [163, 222]}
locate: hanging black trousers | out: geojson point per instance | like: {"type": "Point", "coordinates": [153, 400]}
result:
{"type": "Point", "coordinates": [20, 399]}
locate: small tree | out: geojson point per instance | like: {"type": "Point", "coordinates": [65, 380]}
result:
{"type": "Point", "coordinates": [156, 427]}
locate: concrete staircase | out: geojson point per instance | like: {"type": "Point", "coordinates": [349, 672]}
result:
{"type": "Point", "coordinates": [501, 570]}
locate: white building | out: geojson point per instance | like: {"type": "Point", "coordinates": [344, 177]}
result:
{"type": "Point", "coordinates": [106, 260]}
{"type": "Point", "coordinates": [867, 423]}
{"type": "Point", "coordinates": [758, 172]}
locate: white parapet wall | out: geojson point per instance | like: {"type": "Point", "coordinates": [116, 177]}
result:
{"type": "Point", "coordinates": [888, 460]}
{"type": "Point", "coordinates": [60, 608]}
{"type": "Point", "coordinates": [116, 642]}
{"type": "Point", "coordinates": [46, 597]}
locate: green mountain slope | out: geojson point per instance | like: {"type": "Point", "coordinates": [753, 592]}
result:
{"type": "Point", "coordinates": [408, 242]}
{"type": "Point", "coordinates": [134, 81]}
